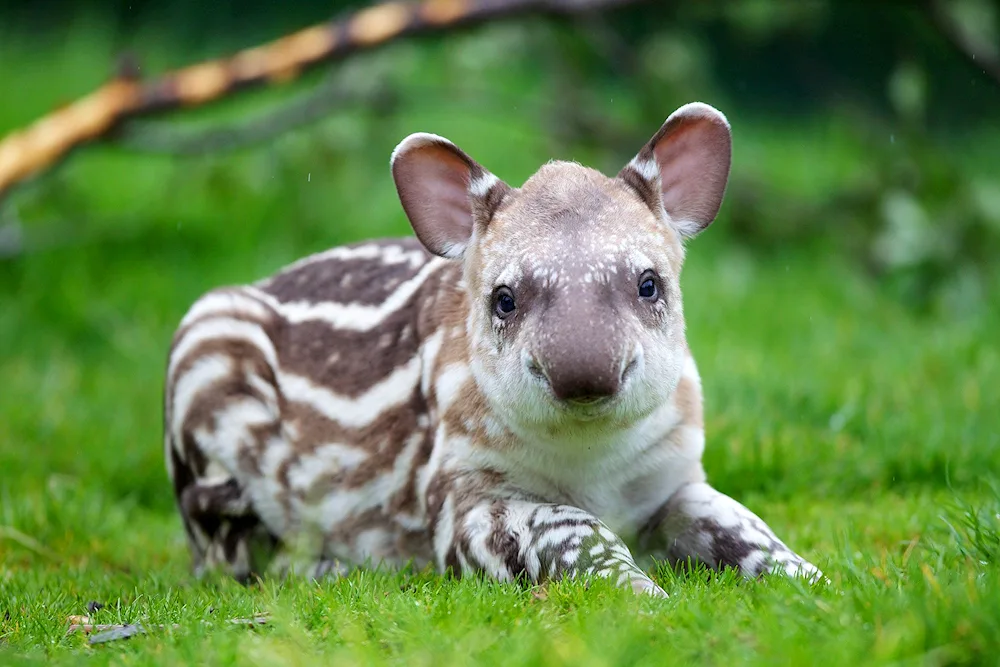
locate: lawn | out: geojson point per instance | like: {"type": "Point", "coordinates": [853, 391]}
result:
{"type": "Point", "coordinates": [863, 431]}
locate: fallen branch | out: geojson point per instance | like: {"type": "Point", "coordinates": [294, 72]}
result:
{"type": "Point", "coordinates": [107, 632]}
{"type": "Point", "coordinates": [160, 138]}
{"type": "Point", "coordinates": [96, 116]}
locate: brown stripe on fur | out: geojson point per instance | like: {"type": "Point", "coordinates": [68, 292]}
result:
{"type": "Point", "coordinates": [407, 543]}
{"type": "Point", "coordinates": [364, 281]}
{"type": "Point", "coordinates": [269, 325]}
{"type": "Point", "coordinates": [384, 439]}
{"type": "Point", "coordinates": [485, 207]}
{"type": "Point", "coordinates": [443, 302]}
{"type": "Point", "coordinates": [687, 398]}
{"type": "Point", "coordinates": [406, 499]}
{"type": "Point", "coordinates": [224, 499]}
{"type": "Point", "coordinates": [214, 398]}
{"type": "Point", "coordinates": [185, 471]}
{"type": "Point", "coordinates": [451, 562]}
{"type": "Point", "coordinates": [474, 409]}
{"type": "Point", "coordinates": [440, 485]}
{"type": "Point", "coordinates": [503, 543]}
{"type": "Point", "coordinates": [349, 362]}
{"type": "Point", "coordinates": [467, 488]}
{"type": "Point", "coordinates": [244, 354]}
{"type": "Point", "coordinates": [648, 191]}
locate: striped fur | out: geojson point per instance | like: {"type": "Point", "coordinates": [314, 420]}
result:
{"type": "Point", "coordinates": [374, 404]}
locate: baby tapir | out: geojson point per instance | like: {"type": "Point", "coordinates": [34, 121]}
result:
{"type": "Point", "coordinates": [508, 393]}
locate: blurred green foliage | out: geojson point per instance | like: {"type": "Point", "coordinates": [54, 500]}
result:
{"type": "Point", "coordinates": [857, 126]}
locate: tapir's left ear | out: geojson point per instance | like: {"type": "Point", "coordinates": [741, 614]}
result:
{"type": "Point", "coordinates": [685, 167]}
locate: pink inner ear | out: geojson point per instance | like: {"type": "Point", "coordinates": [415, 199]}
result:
{"type": "Point", "coordinates": [432, 181]}
{"type": "Point", "coordinates": [693, 155]}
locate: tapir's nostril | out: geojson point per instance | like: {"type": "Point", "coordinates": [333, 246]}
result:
{"type": "Point", "coordinates": [535, 369]}
{"type": "Point", "coordinates": [631, 366]}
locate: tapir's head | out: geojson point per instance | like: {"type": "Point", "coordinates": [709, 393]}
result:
{"type": "Point", "coordinates": [573, 279]}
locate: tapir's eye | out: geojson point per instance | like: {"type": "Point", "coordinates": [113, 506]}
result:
{"type": "Point", "coordinates": [647, 287]}
{"type": "Point", "coordinates": [503, 302]}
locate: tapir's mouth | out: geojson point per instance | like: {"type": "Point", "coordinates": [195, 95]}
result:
{"type": "Point", "coordinates": [588, 408]}
{"type": "Point", "coordinates": [588, 401]}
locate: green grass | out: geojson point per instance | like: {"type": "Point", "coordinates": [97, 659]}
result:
{"type": "Point", "coordinates": [866, 434]}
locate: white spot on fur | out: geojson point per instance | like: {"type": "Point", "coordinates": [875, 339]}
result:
{"type": "Point", "coordinates": [449, 382]}
{"type": "Point", "coordinates": [494, 429]}
{"type": "Point", "coordinates": [480, 187]}
{"type": "Point", "coordinates": [430, 351]}
{"type": "Point", "coordinates": [648, 169]}
{"type": "Point", "coordinates": [451, 249]}
{"type": "Point", "coordinates": [687, 228]}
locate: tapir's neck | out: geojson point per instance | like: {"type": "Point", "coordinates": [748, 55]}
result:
{"type": "Point", "coordinates": [622, 473]}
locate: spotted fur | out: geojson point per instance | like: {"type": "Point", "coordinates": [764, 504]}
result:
{"type": "Point", "coordinates": [510, 392]}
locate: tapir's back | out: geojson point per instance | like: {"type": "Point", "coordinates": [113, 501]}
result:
{"type": "Point", "coordinates": [303, 391]}
{"type": "Point", "coordinates": [350, 316]}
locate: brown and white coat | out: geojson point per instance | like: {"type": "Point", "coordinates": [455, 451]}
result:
{"type": "Point", "coordinates": [510, 392]}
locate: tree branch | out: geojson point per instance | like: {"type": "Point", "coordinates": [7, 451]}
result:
{"type": "Point", "coordinates": [50, 139]}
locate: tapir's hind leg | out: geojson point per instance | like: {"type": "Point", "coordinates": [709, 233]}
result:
{"type": "Point", "coordinates": [223, 531]}
{"type": "Point", "coordinates": [222, 412]}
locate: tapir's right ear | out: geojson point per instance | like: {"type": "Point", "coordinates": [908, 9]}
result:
{"type": "Point", "coordinates": [444, 192]}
